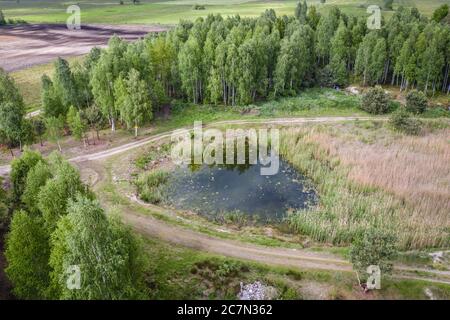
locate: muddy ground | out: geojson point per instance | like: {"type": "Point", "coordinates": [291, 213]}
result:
{"type": "Point", "coordinates": [22, 46]}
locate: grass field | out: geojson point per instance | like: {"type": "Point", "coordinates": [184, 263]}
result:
{"type": "Point", "coordinates": [170, 12]}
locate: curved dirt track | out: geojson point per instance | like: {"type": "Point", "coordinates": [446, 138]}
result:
{"type": "Point", "coordinates": [298, 258]}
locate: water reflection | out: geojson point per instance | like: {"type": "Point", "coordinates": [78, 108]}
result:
{"type": "Point", "coordinates": [214, 190]}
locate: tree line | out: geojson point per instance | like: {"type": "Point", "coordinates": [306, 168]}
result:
{"type": "Point", "coordinates": [58, 228]}
{"type": "Point", "coordinates": [237, 61]}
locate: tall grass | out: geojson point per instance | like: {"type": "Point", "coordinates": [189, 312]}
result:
{"type": "Point", "coordinates": [313, 102]}
{"type": "Point", "coordinates": [149, 185]}
{"type": "Point", "coordinates": [401, 187]}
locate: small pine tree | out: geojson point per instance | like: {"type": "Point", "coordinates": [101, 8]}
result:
{"type": "Point", "coordinates": [401, 121]}
{"type": "Point", "coordinates": [416, 102]}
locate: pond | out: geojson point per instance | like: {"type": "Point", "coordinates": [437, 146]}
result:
{"type": "Point", "coordinates": [223, 189]}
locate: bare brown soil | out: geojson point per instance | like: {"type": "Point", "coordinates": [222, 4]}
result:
{"type": "Point", "coordinates": [23, 46]}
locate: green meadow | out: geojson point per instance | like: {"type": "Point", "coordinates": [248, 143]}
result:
{"type": "Point", "coordinates": [170, 12]}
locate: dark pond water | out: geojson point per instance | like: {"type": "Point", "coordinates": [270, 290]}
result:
{"type": "Point", "coordinates": [214, 190]}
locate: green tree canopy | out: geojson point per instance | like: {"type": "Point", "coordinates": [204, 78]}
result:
{"type": "Point", "coordinates": [440, 13]}
{"type": "Point", "coordinates": [20, 168]}
{"type": "Point", "coordinates": [375, 101]}
{"type": "Point", "coordinates": [55, 129]}
{"type": "Point", "coordinates": [416, 102]}
{"type": "Point", "coordinates": [109, 67]}
{"type": "Point", "coordinates": [64, 84]}
{"type": "Point", "coordinates": [76, 124]}
{"type": "Point", "coordinates": [373, 247]}
{"type": "Point", "coordinates": [36, 179]}
{"type": "Point", "coordinates": [63, 186]}
{"type": "Point", "coordinates": [51, 101]}
{"type": "Point", "coordinates": [27, 253]}
{"type": "Point", "coordinates": [108, 256]}
{"type": "Point", "coordinates": [133, 100]}
{"type": "Point", "coordinates": [9, 91]}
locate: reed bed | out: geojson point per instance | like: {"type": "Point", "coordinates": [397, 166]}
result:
{"type": "Point", "coordinates": [399, 184]}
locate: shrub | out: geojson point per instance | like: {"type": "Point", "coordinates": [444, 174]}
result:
{"type": "Point", "coordinates": [416, 102]}
{"type": "Point", "coordinates": [198, 7]}
{"type": "Point", "coordinates": [375, 101]}
{"type": "Point", "coordinates": [402, 121]}
{"type": "Point", "coordinates": [2, 18]}
{"type": "Point", "coordinates": [148, 185]}
{"type": "Point", "coordinates": [373, 247]}
{"type": "Point", "coordinates": [229, 269]}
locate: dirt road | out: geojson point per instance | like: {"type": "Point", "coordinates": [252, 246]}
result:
{"type": "Point", "coordinates": [286, 257]}
{"type": "Point", "coordinates": [26, 45]}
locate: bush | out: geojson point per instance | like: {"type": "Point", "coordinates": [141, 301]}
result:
{"type": "Point", "coordinates": [148, 185]}
{"type": "Point", "coordinates": [416, 102]}
{"type": "Point", "coordinates": [402, 121]}
{"type": "Point", "coordinates": [375, 101]}
{"type": "Point", "coordinates": [198, 7]}
{"type": "Point", "coordinates": [374, 247]}
{"type": "Point", "coordinates": [2, 18]}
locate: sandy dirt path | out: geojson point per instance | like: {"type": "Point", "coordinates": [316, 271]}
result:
{"type": "Point", "coordinates": [23, 46]}
{"type": "Point", "coordinates": [286, 257]}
